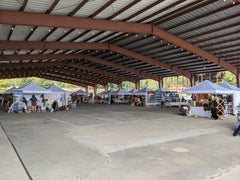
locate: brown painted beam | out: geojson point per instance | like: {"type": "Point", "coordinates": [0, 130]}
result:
{"type": "Point", "coordinates": [131, 17]}
{"type": "Point", "coordinates": [85, 23]}
{"type": "Point", "coordinates": [35, 74]}
{"type": "Point", "coordinates": [71, 64]}
{"type": "Point", "coordinates": [209, 13]}
{"type": "Point", "coordinates": [9, 17]}
{"type": "Point", "coordinates": [10, 76]}
{"type": "Point", "coordinates": [194, 49]}
{"type": "Point", "coordinates": [43, 71]}
{"type": "Point", "coordinates": [83, 45]}
{"type": "Point", "coordinates": [47, 12]}
{"type": "Point", "coordinates": [161, 10]}
{"type": "Point", "coordinates": [76, 56]}
{"type": "Point", "coordinates": [91, 16]}
{"type": "Point", "coordinates": [13, 26]}
{"type": "Point", "coordinates": [67, 76]}
{"type": "Point", "coordinates": [147, 59]}
{"type": "Point", "coordinates": [118, 66]}
{"type": "Point", "coordinates": [86, 75]}
{"type": "Point", "coordinates": [45, 20]}
{"type": "Point", "coordinates": [120, 77]}
{"type": "Point", "coordinates": [22, 18]}
{"type": "Point", "coordinates": [109, 18]}
{"type": "Point", "coordinates": [77, 8]}
{"type": "Point", "coordinates": [181, 11]}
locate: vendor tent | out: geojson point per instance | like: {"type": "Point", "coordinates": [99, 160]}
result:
{"type": "Point", "coordinates": [58, 93]}
{"type": "Point", "coordinates": [229, 86]}
{"type": "Point", "coordinates": [102, 93]}
{"type": "Point", "coordinates": [207, 87]}
{"type": "Point", "coordinates": [236, 95]}
{"type": "Point", "coordinates": [9, 91]}
{"type": "Point", "coordinates": [161, 90]}
{"type": "Point", "coordinates": [133, 91]}
{"type": "Point", "coordinates": [109, 92]}
{"type": "Point", "coordinates": [121, 92]}
{"type": "Point", "coordinates": [143, 91]}
{"type": "Point", "coordinates": [31, 88]}
{"type": "Point", "coordinates": [81, 93]}
{"type": "Point", "coordinates": [149, 95]}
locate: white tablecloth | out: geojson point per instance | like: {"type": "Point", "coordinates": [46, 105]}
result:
{"type": "Point", "coordinates": [199, 111]}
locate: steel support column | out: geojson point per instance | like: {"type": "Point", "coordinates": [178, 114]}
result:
{"type": "Point", "coordinates": [238, 78]}
{"type": "Point", "coordinates": [120, 85]}
{"type": "Point", "coordinates": [95, 90]}
{"type": "Point", "coordinates": [192, 80]}
{"type": "Point", "coordinates": [160, 82]}
{"type": "Point", "coordinates": [106, 87]}
{"type": "Point", "coordinates": [86, 89]}
{"type": "Point", "coordinates": [137, 84]}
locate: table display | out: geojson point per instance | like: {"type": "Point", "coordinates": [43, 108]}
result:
{"type": "Point", "coordinates": [199, 111]}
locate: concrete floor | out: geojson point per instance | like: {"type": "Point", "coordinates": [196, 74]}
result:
{"type": "Point", "coordinates": [101, 142]}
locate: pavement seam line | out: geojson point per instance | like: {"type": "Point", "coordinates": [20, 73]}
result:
{"type": "Point", "coordinates": [14, 148]}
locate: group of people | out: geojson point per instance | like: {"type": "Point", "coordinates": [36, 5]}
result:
{"type": "Point", "coordinates": [33, 100]}
{"type": "Point", "coordinates": [138, 101]}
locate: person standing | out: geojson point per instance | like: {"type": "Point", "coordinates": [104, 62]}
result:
{"type": "Point", "coordinates": [135, 100]}
{"type": "Point", "coordinates": [24, 104]}
{"type": "Point", "coordinates": [34, 103]}
{"type": "Point", "coordinates": [213, 107]}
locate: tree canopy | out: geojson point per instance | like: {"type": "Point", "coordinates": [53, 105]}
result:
{"type": "Point", "coordinates": [8, 83]}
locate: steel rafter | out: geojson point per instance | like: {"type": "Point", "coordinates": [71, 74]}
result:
{"type": "Point", "coordinates": [76, 56]}
{"type": "Point", "coordinates": [81, 79]}
{"type": "Point", "coordinates": [47, 12]}
{"type": "Point", "coordinates": [131, 27]}
{"type": "Point", "coordinates": [67, 64]}
{"type": "Point", "coordinates": [69, 14]}
{"type": "Point", "coordinates": [13, 26]}
{"type": "Point", "coordinates": [19, 74]}
{"type": "Point", "coordinates": [82, 45]}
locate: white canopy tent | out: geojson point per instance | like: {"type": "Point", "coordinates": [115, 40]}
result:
{"type": "Point", "coordinates": [101, 93]}
{"type": "Point", "coordinates": [109, 92]}
{"type": "Point", "coordinates": [207, 87]}
{"type": "Point", "coordinates": [120, 99]}
{"type": "Point", "coordinates": [81, 93]}
{"type": "Point", "coordinates": [58, 93]}
{"type": "Point", "coordinates": [229, 86]}
{"type": "Point", "coordinates": [149, 98]}
{"type": "Point", "coordinates": [121, 92]}
{"type": "Point", "coordinates": [9, 91]}
{"type": "Point", "coordinates": [32, 88]}
{"type": "Point", "coordinates": [106, 93]}
{"type": "Point", "coordinates": [143, 91]}
{"type": "Point", "coordinates": [236, 95]}
{"type": "Point", "coordinates": [161, 90]}
{"type": "Point", "coordinates": [133, 91]}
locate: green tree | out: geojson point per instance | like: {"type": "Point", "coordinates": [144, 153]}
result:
{"type": "Point", "coordinates": [5, 83]}
{"type": "Point", "coordinates": [230, 78]}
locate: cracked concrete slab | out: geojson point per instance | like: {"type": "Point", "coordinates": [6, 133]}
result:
{"type": "Point", "coordinates": [120, 142]}
{"type": "Point", "coordinates": [10, 166]}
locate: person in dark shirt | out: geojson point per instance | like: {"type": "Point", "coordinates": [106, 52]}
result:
{"type": "Point", "coordinates": [34, 103]}
{"type": "Point", "coordinates": [213, 107]}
